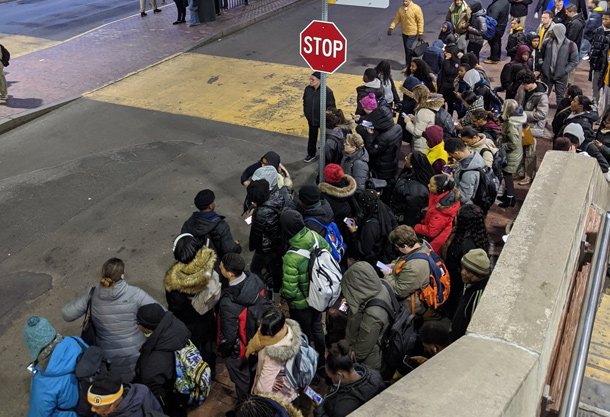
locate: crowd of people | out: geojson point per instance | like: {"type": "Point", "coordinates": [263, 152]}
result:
{"type": "Point", "coordinates": [381, 244]}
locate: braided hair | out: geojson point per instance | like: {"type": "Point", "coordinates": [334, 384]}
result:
{"type": "Point", "coordinates": [471, 224]}
{"type": "Point", "coordinates": [421, 168]}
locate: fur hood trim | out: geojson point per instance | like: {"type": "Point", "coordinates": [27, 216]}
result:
{"type": "Point", "coordinates": [433, 103]}
{"type": "Point", "coordinates": [286, 176]}
{"type": "Point", "coordinates": [341, 192]}
{"type": "Point", "coordinates": [290, 409]}
{"type": "Point", "coordinates": [191, 278]}
{"type": "Point", "coordinates": [289, 346]}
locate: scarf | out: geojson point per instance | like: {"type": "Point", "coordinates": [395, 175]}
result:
{"type": "Point", "coordinates": [258, 342]}
{"type": "Point", "coordinates": [45, 354]}
{"type": "Point", "coordinates": [455, 16]}
{"type": "Point", "coordinates": [437, 152]}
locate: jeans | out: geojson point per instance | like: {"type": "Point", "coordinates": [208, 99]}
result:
{"type": "Point", "coordinates": [194, 13]}
{"type": "Point", "coordinates": [509, 185]}
{"type": "Point", "coordinates": [408, 42]}
{"type": "Point", "coordinates": [312, 141]}
{"type": "Point", "coordinates": [560, 86]}
{"type": "Point", "coordinates": [594, 84]}
{"type": "Point", "coordinates": [310, 321]}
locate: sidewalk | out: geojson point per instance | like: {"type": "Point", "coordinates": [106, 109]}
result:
{"type": "Point", "coordinates": [63, 72]}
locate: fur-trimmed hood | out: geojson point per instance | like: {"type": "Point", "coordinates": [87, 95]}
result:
{"type": "Point", "coordinates": [289, 346]}
{"type": "Point", "coordinates": [340, 192]}
{"type": "Point", "coordinates": [191, 278]}
{"type": "Point", "coordinates": [285, 176]}
{"type": "Point", "coordinates": [434, 103]}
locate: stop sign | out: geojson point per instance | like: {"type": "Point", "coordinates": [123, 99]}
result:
{"type": "Point", "coordinates": [323, 46]}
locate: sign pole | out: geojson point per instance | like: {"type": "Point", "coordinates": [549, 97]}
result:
{"type": "Point", "coordinates": [323, 105]}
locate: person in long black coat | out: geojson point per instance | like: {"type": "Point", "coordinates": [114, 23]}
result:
{"type": "Point", "coordinates": [499, 10]}
{"type": "Point", "coordinates": [410, 194]}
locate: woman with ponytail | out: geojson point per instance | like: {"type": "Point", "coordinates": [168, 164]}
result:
{"type": "Point", "coordinates": [114, 305]}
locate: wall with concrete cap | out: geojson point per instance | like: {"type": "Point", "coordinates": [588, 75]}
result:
{"type": "Point", "coordinates": [499, 367]}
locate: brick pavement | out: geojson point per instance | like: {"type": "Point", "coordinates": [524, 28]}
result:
{"type": "Point", "coordinates": [113, 51]}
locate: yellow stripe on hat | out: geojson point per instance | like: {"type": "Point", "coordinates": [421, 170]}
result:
{"type": "Point", "coordinates": [99, 400]}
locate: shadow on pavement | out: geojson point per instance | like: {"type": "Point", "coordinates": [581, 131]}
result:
{"type": "Point", "coordinates": [24, 103]}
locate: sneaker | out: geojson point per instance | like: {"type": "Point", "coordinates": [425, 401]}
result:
{"type": "Point", "coordinates": [309, 158]}
{"type": "Point", "coordinates": [157, 11]}
{"type": "Point", "coordinates": [489, 61]}
{"type": "Point", "coordinates": [525, 181]}
{"type": "Point", "coordinates": [142, 14]}
{"type": "Point", "coordinates": [586, 57]}
{"type": "Point", "coordinates": [3, 101]}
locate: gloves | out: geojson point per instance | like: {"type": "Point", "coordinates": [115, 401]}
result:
{"type": "Point", "coordinates": [389, 32]}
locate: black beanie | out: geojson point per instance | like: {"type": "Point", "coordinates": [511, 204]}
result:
{"type": "Point", "coordinates": [292, 222]}
{"type": "Point", "coordinates": [272, 159]}
{"type": "Point", "coordinates": [106, 384]}
{"type": "Point", "coordinates": [309, 195]}
{"type": "Point", "coordinates": [204, 198]}
{"type": "Point", "coordinates": [150, 316]}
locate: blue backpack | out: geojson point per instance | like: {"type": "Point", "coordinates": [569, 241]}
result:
{"type": "Point", "coordinates": [333, 237]}
{"type": "Point", "coordinates": [491, 28]}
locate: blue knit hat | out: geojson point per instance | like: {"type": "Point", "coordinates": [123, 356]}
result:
{"type": "Point", "coordinates": [38, 334]}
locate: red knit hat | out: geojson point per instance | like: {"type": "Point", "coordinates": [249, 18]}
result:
{"type": "Point", "coordinates": [333, 174]}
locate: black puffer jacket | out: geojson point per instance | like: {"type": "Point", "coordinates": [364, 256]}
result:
{"type": "Point", "coordinates": [210, 225]}
{"type": "Point", "coordinates": [384, 151]}
{"type": "Point", "coordinates": [348, 397]}
{"type": "Point", "coordinates": [156, 366]}
{"type": "Point", "coordinates": [585, 119]}
{"type": "Point", "coordinates": [266, 233]}
{"type": "Point", "coordinates": [333, 150]}
{"type": "Point", "coordinates": [342, 201]}
{"type": "Point", "coordinates": [409, 198]}
{"type": "Point", "coordinates": [499, 10]}
{"type": "Point", "coordinates": [599, 49]}
{"type": "Point", "coordinates": [311, 104]}
{"type": "Point", "coordinates": [519, 9]}
{"type": "Point", "coordinates": [321, 212]}
{"type": "Point", "coordinates": [381, 118]}
{"type": "Point", "coordinates": [250, 294]}
{"type": "Point", "coordinates": [447, 75]}
{"type": "Point", "coordinates": [575, 28]}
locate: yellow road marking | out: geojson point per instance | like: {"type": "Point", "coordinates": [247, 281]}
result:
{"type": "Point", "coordinates": [20, 45]}
{"type": "Point", "coordinates": [254, 94]}
{"type": "Point", "coordinates": [598, 361]}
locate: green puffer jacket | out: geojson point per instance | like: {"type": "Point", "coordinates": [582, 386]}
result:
{"type": "Point", "coordinates": [295, 284]}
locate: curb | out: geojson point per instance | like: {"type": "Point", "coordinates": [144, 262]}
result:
{"type": "Point", "coordinates": [28, 116]}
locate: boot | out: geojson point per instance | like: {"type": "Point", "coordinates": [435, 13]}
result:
{"type": "Point", "coordinates": [507, 201]}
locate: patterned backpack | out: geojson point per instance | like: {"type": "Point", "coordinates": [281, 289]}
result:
{"type": "Point", "coordinates": [193, 375]}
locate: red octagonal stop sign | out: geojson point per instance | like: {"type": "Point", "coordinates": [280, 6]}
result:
{"type": "Point", "coordinates": [323, 46]}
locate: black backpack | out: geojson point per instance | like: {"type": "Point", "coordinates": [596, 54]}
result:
{"type": "Point", "coordinates": [89, 365]}
{"type": "Point", "coordinates": [499, 161]}
{"type": "Point", "coordinates": [400, 337]}
{"type": "Point", "coordinates": [6, 56]}
{"type": "Point", "coordinates": [487, 190]}
{"type": "Point", "coordinates": [443, 119]}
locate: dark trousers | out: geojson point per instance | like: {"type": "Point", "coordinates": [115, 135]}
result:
{"type": "Point", "coordinates": [495, 47]}
{"type": "Point", "coordinates": [181, 6]}
{"type": "Point", "coordinates": [408, 42]}
{"type": "Point", "coordinates": [475, 47]}
{"type": "Point", "coordinates": [509, 184]}
{"type": "Point", "coordinates": [272, 264]}
{"type": "Point", "coordinates": [239, 372]}
{"type": "Point", "coordinates": [312, 142]}
{"type": "Point", "coordinates": [310, 321]}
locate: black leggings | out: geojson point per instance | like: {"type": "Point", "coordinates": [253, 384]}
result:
{"type": "Point", "coordinates": [509, 184]}
{"type": "Point", "coordinates": [181, 10]}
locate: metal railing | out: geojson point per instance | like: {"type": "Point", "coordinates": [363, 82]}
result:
{"type": "Point", "coordinates": [578, 362]}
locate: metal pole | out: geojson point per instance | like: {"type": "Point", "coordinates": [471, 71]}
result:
{"type": "Point", "coordinates": [578, 363]}
{"type": "Point", "coordinates": [323, 104]}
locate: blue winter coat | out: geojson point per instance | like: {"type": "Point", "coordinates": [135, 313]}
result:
{"type": "Point", "coordinates": [56, 388]}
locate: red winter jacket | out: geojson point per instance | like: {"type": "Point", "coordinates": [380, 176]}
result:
{"type": "Point", "coordinates": [436, 225]}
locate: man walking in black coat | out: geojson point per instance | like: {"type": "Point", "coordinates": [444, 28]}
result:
{"type": "Point", "coordinates": [499, 10]}
{"type": "Point", "coordinates": [206, 224]}
{"type": "Point", "coordinates": [311, 109]}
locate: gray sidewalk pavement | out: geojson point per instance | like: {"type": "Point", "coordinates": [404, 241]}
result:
{"type": "Point", "coordinates": [63, 72]}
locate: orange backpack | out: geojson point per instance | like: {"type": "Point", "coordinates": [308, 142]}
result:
{"type": "Point", "coordinates": [436, 292]}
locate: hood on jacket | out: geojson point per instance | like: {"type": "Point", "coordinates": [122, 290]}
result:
{"type": "Point", "coordinates": [370, 384]}
{"type": "Point", "coordinates": [438, 44]}
{"type": "Point", "coordinates": [409, 84]}
{"type": "Point", "coordinates": [112, 293]}
{"type": "Point", "coordinates": [285, 177]}
{"type": "Point", "coordinates": [447, 203]}
{"type": "Point", "coordinates": [340, 191]}
{"type": "Point", "coordinates": [475, 7]}
{"type": "Point", "coordinates": [518, 120]}
{"type": "Point", "coordinates": [63, 358]}
{"type": "Point", "coordinates": [521, 49]}
{"type": "Point", "coordinates": [247, 292]}
{"type": "Point", "coordinates": [360, 283]}
{"type": "Point", "coordinates": [589, 114]}
{"type": "Point", "coordinates": [560, 32]}
{"type": "Point", "coordinates": [448, 24]}
{"type": "Point", "coordinates": [472, 161]}
{"type": "Point", "coordinates": [575, 130]}
{"type": "Point", "coordinates": [541, 88]}
{"type": "Point", "coordinates": [361, 154]}
{"type": "Point", "coordinates": [322, 212]}
{"type": "Point", "coordinates": [169, 336]}
{"type": "Point", "coordinates": [133, 398]}
{"type": "Point", "coordinates": [267, 172]}
{"type": "Point", "coordinates": [434, 103]}
{"type": "Point", "coordinates": [289, 346]}
{"type": "Point", "coordinates": [193, 277]}
{"type": "Point", "coordinates": [452, 6]}
{"type": "Point", "coordinates": [272, 159]}
{"type": "Point", "coordinates": [376, 84]}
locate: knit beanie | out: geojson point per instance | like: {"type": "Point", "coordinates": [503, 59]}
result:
{"type": "Point", "coordinates": [369, 102]}
{"type": "Point", "coordinates": [272, 159]}
{"type": "Point", "coordinates": [433, 135]}
{"type": "Point", "coordinates": [38, 334]}
{"type": "Point", "coordinates": [105, 390]}
{"type": "Point", "coordinates": [333, 174]}
{"type": "Point", "coordinates": [204, 198]}
{"type": "Point", "coordinates": [150, 315]}
{"type": "Point", "coordinates": [269, 173]}
{"type": "Point", "coordinates": [410, 83]}
{"type": "Point", "coordinates": [317, 74]}
{"type": "Point", "coordinates": [476, 261]}
{"type": "Point", "coordinates": [575, 130]}
{"type": "Point", "coordinates": [292, 222]}
{"type": "Point", "coordinates": [309, 195]}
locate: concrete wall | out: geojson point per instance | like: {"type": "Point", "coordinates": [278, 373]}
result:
{"type": "Point", "coordinates": [499, 367]}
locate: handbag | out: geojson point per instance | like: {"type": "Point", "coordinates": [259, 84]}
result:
{"type": "Point", "coordinates": [527, 138]}
{"type": "Point", "coordinates": [420, 48]}
{"type": "Point", "coordinates": [88, 330]}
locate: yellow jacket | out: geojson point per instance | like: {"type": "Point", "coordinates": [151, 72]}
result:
{"type": "Point", "coordinates": [411, 20]}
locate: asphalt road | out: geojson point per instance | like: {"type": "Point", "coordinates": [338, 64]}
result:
{"type": "Point", "coordinates": [61, 19]}
{"type": "Point", "coordinates": [95, 180]}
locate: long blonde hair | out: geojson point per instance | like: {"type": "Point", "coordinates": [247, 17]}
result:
{"type": "Point", "coordinates": [510, 107]}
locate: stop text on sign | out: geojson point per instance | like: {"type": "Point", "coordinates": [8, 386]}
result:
{"type": "Point", "coordinates": [319, 46]}
{"type": "Point", "coordinates": [323, 46]}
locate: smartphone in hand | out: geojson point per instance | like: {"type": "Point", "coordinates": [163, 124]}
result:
{"type": "Point", "coordinates": [349, 221]}
{"type": "Point", "coordinates": [315, 397]}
